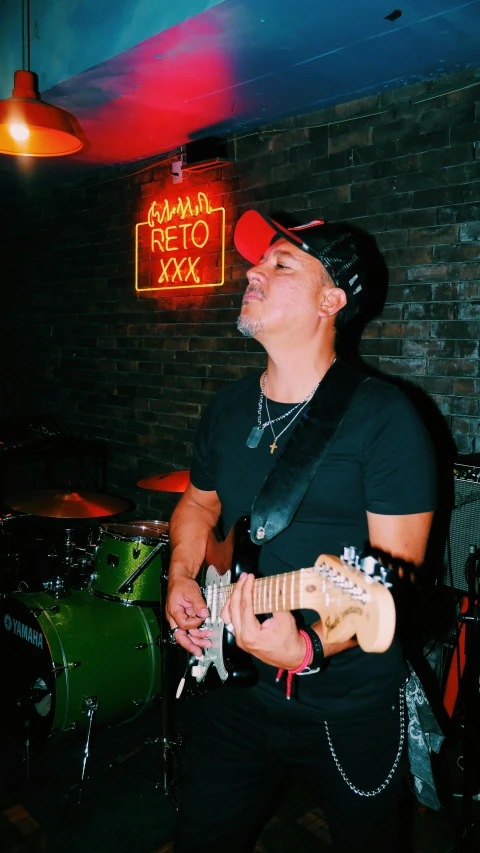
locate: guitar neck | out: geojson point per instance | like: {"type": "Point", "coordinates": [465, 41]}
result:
{"type": "Point", "coordinates": [272, 594]}
{"type": "Point", "coordinates": [349, 599]}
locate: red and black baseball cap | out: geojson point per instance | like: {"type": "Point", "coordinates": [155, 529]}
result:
{"type": "Point", "coordinates": [337, 245]}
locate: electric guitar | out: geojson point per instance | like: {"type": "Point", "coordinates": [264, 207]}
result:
{"type": "Point", "coordinates": [350, 595]}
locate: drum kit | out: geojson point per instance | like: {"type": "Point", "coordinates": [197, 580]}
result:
{"type": "Point", "coordinates": [88, 644]}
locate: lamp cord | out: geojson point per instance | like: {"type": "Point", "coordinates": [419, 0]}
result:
{"type": "Point", "coordinates": [23, 35]}
{"type": "Point", "coordinates": [28, 35]}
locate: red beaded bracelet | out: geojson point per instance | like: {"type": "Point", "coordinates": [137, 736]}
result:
{"type": "Point", "coordinates": [305, 662]}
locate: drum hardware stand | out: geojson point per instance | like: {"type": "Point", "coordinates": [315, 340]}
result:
{"type": "Point", "coordinates": [128, 582]}
{"type": "Point", "coordinates": [170, 745]}
{"type": "Point", "coordinates": [68, 546]}
{"type": "Point", "coordinates": [471, 619]}
{"type": "Point", "coordinates": [26, 703]}
{"type": "Point", "coordinates": [90, 707]}
{"type": "Point", "coordinates": [57, 585]}
{"type": "Point", "coordinates": [27, 748]}
{"type": "Point", "coordinates": [26, 743]}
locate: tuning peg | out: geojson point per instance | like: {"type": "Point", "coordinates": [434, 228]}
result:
{"type": "Point", "coordinates": [349, 555]}
{"type": "Point", "coordinates": [376, 570]}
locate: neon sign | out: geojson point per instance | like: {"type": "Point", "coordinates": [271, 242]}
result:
{"type": "Point", "coordinates": [180, 245]}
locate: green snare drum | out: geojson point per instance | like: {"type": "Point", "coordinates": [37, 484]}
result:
{"type": "Point", "coordinates": [121, 548]}
{"type": "Point", "coordinates": [64, 652]}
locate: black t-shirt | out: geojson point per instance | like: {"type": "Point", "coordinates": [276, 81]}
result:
{"type": "Point", "coordinates": [380, 460]}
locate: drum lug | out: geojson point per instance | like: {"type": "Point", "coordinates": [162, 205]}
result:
{"type": "Point", "coordinates": [58, 668]}
{"type": "Point", "coordinates": [92, 578]}
{"type": "Point", "coordinates": [53, 609]}
{"type": "Point", "coordinates": [57, 587]}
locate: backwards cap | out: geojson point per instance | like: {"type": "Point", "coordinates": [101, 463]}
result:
{"type": "Point", "coordinates": [336, 245]}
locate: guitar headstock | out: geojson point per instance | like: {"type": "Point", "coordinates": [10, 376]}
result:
{"type": "Point", "coordinates": [351, 596]}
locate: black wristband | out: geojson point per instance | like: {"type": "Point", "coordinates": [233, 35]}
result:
{"type": "Point", "coordinates": [318, 660]}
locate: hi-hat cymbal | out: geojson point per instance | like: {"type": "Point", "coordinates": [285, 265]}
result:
{"type": "Point", "coordinates": [175, 481]}
{"type": "Point", "coordinates": [57, 504]}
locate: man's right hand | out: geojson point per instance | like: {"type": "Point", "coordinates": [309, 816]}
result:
{"type": "Point", "coordinates": [186, 609]}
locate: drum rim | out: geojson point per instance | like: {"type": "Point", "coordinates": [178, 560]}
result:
{"type": "Point", "coordinates": [122, 537]}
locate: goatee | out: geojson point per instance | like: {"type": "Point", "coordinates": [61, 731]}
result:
{"type": "Point", "coordinates": [249, 328]}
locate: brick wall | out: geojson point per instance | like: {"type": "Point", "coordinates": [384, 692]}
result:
{"type": "Point", "coordinates": [135, 370]}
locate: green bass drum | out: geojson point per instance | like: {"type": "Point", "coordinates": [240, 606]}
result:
{"type": "Point", "coordinates": [63, 653]}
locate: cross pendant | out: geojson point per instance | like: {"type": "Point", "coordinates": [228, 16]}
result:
{"type": "Point", "coordinates": [273, 446]}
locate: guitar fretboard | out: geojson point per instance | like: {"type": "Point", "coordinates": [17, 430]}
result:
{"type": "Point", "coordinates": [270, 594]}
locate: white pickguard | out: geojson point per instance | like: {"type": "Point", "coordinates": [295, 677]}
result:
{"type": "Point", "coordinates": [214, 655]}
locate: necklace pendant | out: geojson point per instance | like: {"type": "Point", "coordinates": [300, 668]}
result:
{"type": "Point", "coordinates": [273, 446]}
{"type": "Point", "coordinates": [253, 439]}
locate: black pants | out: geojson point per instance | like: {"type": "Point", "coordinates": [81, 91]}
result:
{"type": "Point", "coordinates": [244, 747]}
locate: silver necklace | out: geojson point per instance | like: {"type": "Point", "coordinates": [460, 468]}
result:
{"type": "Point", "coordinates": [302, 405]}
{"type": "Point", "coordinates": [256, 432]}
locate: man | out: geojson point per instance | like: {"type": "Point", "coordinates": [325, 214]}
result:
{"type": "Point", "coordinates": [343, 732]}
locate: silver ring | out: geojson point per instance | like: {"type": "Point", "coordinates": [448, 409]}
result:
{"type": "Point", "coordinates": [171, 635]}
{"type": "Point", "coordinates": [230, 628]}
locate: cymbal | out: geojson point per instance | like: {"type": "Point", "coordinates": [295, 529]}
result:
{"type": "Point", "coordinates": [175, 481]}
{"type": "Point", "coordinates": [57, 504]}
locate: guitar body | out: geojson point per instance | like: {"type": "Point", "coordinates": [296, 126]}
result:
{"type": "Point", "coordinates": [350, 595]}
{"type": "Point", "coordinates": [226, 561]}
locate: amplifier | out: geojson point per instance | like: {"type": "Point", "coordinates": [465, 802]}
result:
{"type": "Point", "coordinates": [464, 524]}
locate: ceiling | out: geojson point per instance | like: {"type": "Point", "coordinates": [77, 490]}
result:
{"type": "Point", "coordinates": [145, 77]}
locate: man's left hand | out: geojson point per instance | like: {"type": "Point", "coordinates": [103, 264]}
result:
{"type": "Point", "coordinates": [276, 641]}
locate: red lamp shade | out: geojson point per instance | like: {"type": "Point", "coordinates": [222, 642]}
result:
{"type": "Point", "coordinates": [31, 128]}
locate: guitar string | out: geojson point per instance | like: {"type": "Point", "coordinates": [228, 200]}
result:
{"type": "Point", "coordinates": [262, 593]}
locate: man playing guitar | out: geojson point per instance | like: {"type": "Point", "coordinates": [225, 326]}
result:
{"type": "Point", "coordinates": [343, 733]}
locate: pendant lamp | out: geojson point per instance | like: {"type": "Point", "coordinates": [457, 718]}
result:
{"type": "Point", "coordinates": [29, 127]}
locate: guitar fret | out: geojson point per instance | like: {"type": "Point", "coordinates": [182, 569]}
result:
{"type": "Point", "coordinates": [270, 594]}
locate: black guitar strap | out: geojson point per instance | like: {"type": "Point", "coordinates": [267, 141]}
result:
{"type": "Point", "coordinates": [286, 483]}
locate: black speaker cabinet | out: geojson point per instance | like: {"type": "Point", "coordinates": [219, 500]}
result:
{"type": "Point", "coordinates": [464, 528]}
{"type": "Point", "coordinates": [204, 153]}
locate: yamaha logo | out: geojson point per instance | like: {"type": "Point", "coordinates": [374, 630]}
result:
{"type": "Point", "coordinates": [25, 632]}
